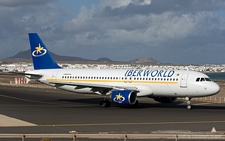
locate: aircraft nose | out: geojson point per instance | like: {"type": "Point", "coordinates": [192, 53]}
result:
{"type": "Point", "coordinates": [215, 88]}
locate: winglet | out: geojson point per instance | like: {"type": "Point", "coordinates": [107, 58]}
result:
{"type": "Point", "coordinates": [40, 54]}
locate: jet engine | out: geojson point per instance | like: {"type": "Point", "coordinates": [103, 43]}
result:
{"type": "Point", "coordinates": [125, 97]}
{"type": "Point", "coordinates": [165, 99]}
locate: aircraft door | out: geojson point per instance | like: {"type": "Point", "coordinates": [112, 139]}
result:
{"type": "Point", "coordinates": [183, 81]}
{"type": "Point", "coordinates": [54, 75]}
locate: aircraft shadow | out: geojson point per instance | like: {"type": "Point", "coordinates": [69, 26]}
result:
{"type": "Point", "coordinates": [89, 102]}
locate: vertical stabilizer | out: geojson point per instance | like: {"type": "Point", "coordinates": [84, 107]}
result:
{"type": "Point", "coordinates": [40, 54]}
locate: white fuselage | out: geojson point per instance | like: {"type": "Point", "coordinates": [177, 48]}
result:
{"type": "Point", "coordinates": [151, 83]}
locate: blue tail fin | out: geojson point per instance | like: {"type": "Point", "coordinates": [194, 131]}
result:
{"type": "Point", "coordinates": [40, 55]}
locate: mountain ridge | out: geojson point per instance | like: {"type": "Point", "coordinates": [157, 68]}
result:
{"type": "Point", "coordinates": [25, 55]}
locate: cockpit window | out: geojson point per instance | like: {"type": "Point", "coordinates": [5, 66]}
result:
{"type": "Point", "coordinates": [208, 79]}
{"type": "Point", "coordinates": [197, 79]}
{"type": "Point", "coordinates": [202, 79]}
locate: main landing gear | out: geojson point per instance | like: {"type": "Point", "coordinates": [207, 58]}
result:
{"type": "Point", "coordinates": [105, 103]}
{"type": "Point", "coordinates": [188, 103]}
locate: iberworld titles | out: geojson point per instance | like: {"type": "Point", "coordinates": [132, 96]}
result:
{"type": "Point", "coordinates": [150, 73]}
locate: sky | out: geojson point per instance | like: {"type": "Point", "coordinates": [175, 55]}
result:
{"type": "Point", "coordinates": [169, 31]}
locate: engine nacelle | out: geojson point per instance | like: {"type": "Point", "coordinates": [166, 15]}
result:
{"type": "Point", "coordinates": [125, 97]}
{"type": "Point", "coordinates": [165, 99]}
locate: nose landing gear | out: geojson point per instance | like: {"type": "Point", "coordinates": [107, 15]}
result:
{"type": "Point", "coordinates": [188, 103]}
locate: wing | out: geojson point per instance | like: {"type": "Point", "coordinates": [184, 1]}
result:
{"type": "Point", "coordinates": [94, 86]}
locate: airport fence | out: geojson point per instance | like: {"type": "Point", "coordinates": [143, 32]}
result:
{"type": "Point", "coordinates": [214, 99]}
{"type": "Point", "coordinates": [124, 137]}
{"type": "Point", "coordinates": [28, 85]}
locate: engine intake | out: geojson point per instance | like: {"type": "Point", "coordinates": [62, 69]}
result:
{"type": "Point", "coordinates": [125, 97]}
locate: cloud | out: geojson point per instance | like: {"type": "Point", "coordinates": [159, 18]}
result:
{"type": "Point", "coordinates": [16, 3]}
{"type": "Point", "coordinates": [169, 31]}
{"type": "Point", "coordinates": [152, 32]}
{"type": "Point", "coordinates": [122, 3]}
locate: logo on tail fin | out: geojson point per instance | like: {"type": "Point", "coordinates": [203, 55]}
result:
{"type": "Point", "coordinates": [39, 51]}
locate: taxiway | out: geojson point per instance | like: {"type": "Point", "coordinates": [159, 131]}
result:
{"type": "Point", "coordinates": [36, 110]}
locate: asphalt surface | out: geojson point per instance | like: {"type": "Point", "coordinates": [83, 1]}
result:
{"type": "Point", "coordinates": [57, 111]}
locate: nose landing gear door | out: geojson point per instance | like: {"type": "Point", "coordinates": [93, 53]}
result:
{"type": "Point", "coordinates": [183, 81]}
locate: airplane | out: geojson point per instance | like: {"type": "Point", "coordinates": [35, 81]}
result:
{"type": "Point", "coordinates": [121, 86]}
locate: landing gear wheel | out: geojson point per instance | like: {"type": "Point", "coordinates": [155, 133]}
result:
{"type": "Point", "coordinates": [105, 103]}
{"type": "Point", "coordinates": [108, 103]}
{"type": "Point", "coordinates": [189, 105]}
{"type": "Point", "coordinates": [188, 102]}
